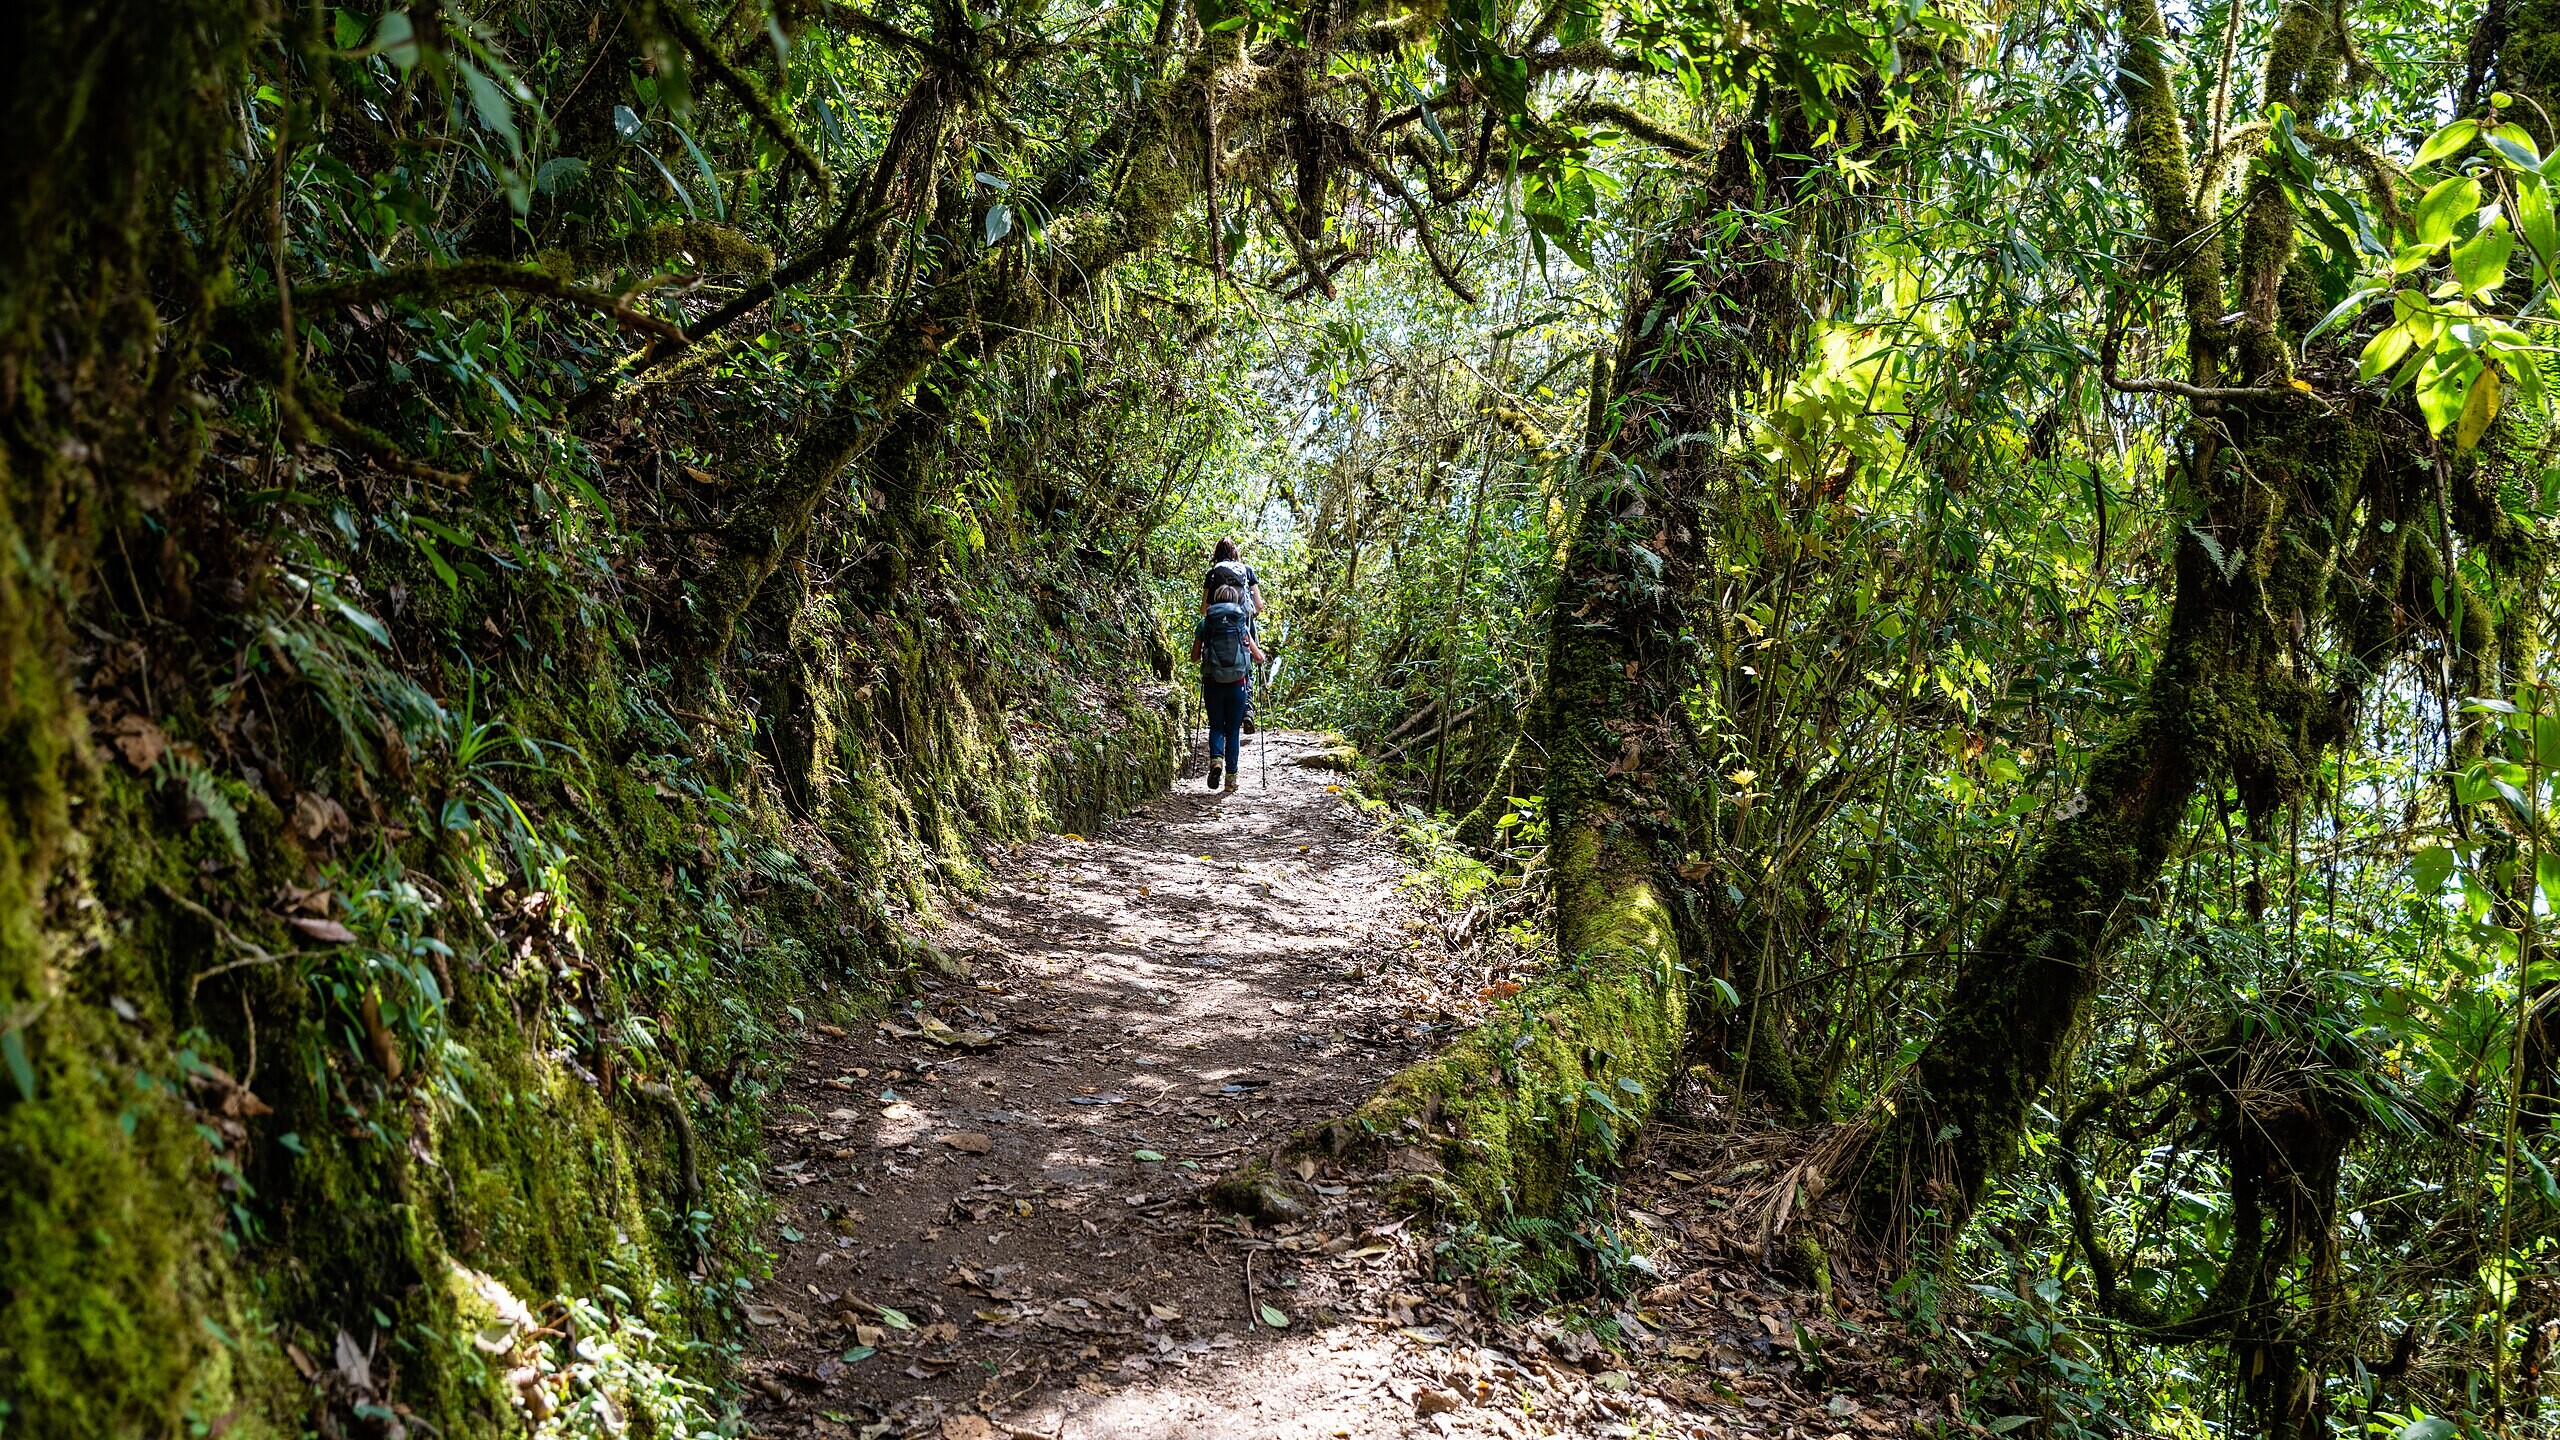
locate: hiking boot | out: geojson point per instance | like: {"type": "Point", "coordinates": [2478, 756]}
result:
{"type": "Point", "coordinates": [1231, 782]}
{"type": "Point", "coordinates": [1215, 767]}
{"type": "Point", "coordinates": [1250, 728]}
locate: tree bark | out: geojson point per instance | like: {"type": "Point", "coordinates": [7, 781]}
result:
{"type": "Point", "coordinates": [2273, 488]}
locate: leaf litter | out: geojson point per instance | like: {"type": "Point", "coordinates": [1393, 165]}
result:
{"type": "Point", "coordinates": [1013, 1243]}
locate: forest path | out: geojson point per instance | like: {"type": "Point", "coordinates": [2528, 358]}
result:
{"type": "Point", "coordinates": [1000, 1232]}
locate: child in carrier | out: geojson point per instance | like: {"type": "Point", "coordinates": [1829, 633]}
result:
{"type": "Point", "coordinates": [1224, 644]}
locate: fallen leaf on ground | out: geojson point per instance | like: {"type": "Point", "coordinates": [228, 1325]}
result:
{"type": "Point", "coordinates": [320, 927]}
{"type": "Point", "coordinates": [972, 1142]}
{"type": "Point", "coordinates": [1275, 1317]}
{"type": "Point", "coordinates": [140, 742]}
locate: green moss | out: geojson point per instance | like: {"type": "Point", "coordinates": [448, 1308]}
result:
{"type": "Point", "coordinates": [1563, 1078]}
{"type": "Point", "coordinates": [101, 1226]}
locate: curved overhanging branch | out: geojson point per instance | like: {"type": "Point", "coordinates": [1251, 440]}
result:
{"type": "Point", "coordinates": [2211, 1318]}
{"type": "Point", "coordinates": [1369, 165]}
{"type": "Point", "coordinates": [750, 96]}
{"type": "Point", "coordinates": [462, 277]}
{"type": "Point", "coordinates": [971, 297]}
{"type": "Point", "coordinates": [2151, 385]}
{"type": "Point", "coordinates": [859, 23]}
{"type": "Point", "coordinates": [1669, 139]}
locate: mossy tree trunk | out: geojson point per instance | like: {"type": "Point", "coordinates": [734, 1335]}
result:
{"type": "Point", "coordinates": [2271, 487]}
{"type": "Point", "coordinates": [1585, 1054]}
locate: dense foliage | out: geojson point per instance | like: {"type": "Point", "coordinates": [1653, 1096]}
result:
{"type": "Point", "coordinates": [1978, 572]}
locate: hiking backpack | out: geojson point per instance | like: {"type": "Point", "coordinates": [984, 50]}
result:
{"type": "Point", "coordinates": [1224, 660]}
{"type": "Point", "coordinates": [1230, 572]}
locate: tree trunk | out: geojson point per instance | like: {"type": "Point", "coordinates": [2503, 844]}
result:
{"type": "Point", "coordinates": [2274, 486]}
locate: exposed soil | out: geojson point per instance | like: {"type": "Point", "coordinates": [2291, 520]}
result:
{"type": "Point", "coordinates": [989, 1223]}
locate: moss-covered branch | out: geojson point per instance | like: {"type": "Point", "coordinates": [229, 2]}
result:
{"type": "Point", "coordinates": [427, 282]}
{"type": "Point", "coordinates": [750, 96]}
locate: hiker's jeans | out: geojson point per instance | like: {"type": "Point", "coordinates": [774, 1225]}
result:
{"type": "Point", "coordinates": [1225, 704]}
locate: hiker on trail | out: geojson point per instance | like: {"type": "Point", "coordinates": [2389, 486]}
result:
{"type": "Point", "coordinates": [1227, 567]}
{"type": "Point", "coordinates": [1223, 642]}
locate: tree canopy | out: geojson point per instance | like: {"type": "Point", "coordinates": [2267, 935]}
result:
{"type": "Point", "coordinates": [1972, 579]}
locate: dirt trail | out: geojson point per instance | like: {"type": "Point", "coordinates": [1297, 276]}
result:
{"type": "Point", "coordinates": [1161, 999]}
{"type": "Point", "coordinates": [988, 1224]}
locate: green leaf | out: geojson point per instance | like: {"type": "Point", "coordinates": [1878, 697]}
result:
{"type": "Point", "coordinates": [2451, 140]}
{"type": "Point", "coordinates": [999, 221]}
{"type": "Point", "coordinates": [2428, 1427]}
{"type": "Point", "coordinates": [555, 173]}
{"type": "Point", "coordinates": [1149, 1155]}
{"type": "Point", "coordinates": [375, 630]}
{"type": "Point", "coordinates": [2516, 144]}
{"type": "Point", "coordinates": [2444, 206]}
{"type": "Point", "coordinates": [2546, 873]}
{"type": "Point", "coordinates": [13, 1049]}
{"type": "Point", "coordinates": [2480, 263]}
{"type": "Point", "coordinates": [2533, 210]}
{"type": "Point", "coordinates": [495, 110]}
{"type": "Point", "coordinates": [858, 1354]}
{"type": "Point", "coordinates": [346, 30]}
{"type": "Point", "coordinates": [2007, 1423]}
{"type": "Point", "coordinates": [396, 40]}
{"type": "Point", "coordinates": [2344, 309]}
{"type": "Point", "coordinates": [2526, 375]}
{"type": "Point", "coordinates": [2430, 868]}
{"type": "Point", "coordinates": [895, 1319]}
{"type": "Point", "coordinates": [626, 124]}
{"type": "Point", "coordinates": [2444, 387]}
{"type": "Point", "coordinates": [1275, 1317]}
{"type": "Point", "coordinates": [702, 164]}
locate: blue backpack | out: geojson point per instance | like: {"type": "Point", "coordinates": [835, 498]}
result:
{"type": "Point", "coordinates": [1224, 660]}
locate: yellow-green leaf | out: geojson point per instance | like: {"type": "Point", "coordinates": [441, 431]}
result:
{"type": "Point", "coordinates": [2478, 409]}
{"type": "Point", "coordinates": [2445, 204]}
{"type": "Point", "coordinates": [2516, 143]}
{"type": "Point", "coordinates": [2533, 209]}
{"type": "Point", "coordinates": [2451, 140]}
{"type": "Point", "coordinates": [2480, 263]}
{"type": "Point", "coordinates": [2528, 379]}
{"type": "Point", "coordinates": [2444, 384]}
{"type": "Point", "coordinates": [2383, 351]}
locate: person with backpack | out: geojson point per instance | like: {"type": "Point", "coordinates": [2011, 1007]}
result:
{"type": "Point", "coordinates": [1224, 644]}
{"type": "Point", "coordinates": [1227, 568]}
